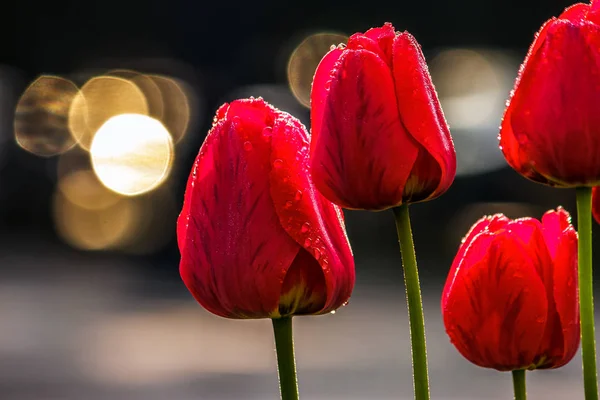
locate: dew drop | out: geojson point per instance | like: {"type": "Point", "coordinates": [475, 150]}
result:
{"type": "Point", "coordinates": [236, 120]}
{"type": "Point", "coordinates": [317, 254]}
{"type": "Point", "coordinates": [333, 312]}
{"type": "Point", "coordinates": [298, 195]}
{"type": "Point", "coordinates": [278, 163]}
{"type": "Point", "coordinates": [247, 146]}
{"type": "Point", "coordinates": [317, 242]}
{"type": "Point", "coordinates": [288, 204]}
{"type": "Point", "coordinates": [307, 242]}
{"type": "Point", "coordinates": [267, 133]}
{"type": "Point", "coordinates": [305, 227]}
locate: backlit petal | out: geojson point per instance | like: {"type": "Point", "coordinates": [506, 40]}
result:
{"type": "Point", "coordinates": [562, 239]}
{"type": "Point", "coordinates": [553, 113]}
{"type": "Point", "coordinates": [422, 115]}
{"type": "Point", "coordinates": [234, 252]}
{"type": "Point", "coordinates": [495, 313]}
{"type": "Point", "coordinates": [311, 220]}
{"type": "Point", "coordinates": [362, 156]}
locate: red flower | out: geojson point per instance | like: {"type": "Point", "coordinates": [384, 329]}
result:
{"type": "Point", "coordinates": [511, 300]}
{"type": "Point", "coordinates": [551, 128]}
{"type": "Point", "coordinates": [379, 137]}
{"type": "Point", "coordinates": [256, 239]}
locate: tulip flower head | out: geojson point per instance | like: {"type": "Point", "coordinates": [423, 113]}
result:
{"type": "Point", "coordinates": [379, 137]}
{"type": "Point", "coordinates": [550, 132]}
{"type": "Point", "coordinates": [256, 239]}
{"type": "Point", "coordinates": [511, 299]}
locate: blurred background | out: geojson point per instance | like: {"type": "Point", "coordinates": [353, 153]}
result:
{"type": "Point", "coordinates": [103, 107]}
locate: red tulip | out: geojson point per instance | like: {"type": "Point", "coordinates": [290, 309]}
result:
{"type": "Point", "coordinates": [511, 300]}
{"type": "Point", "coordinates": [551, 128]}
{"type": "Point", "coordinates": [379, 137]}
{"type": "Point", "coordinates": [256, 239]}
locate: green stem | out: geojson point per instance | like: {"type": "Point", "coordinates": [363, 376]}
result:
{"type": "Point", "coordinates": [415, 306]}
{"type": "Point", "coordinates": [586, 292]}
{"type": "Point", "coordinates": [519, 384]}
{"type": "Point", "coordinates": [286, 362]}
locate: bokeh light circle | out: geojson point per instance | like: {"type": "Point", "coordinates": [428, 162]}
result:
{"type": "Point", "coordinates": [132, 154]}
{"type": "Point", "coordinates": [304, 61]}
{"type": "Point", "coordinates": [87, 229]}
{"type": "Point", "coordinates": [41, 116]}
{"type": "Point", "coordinates": [99, 99]}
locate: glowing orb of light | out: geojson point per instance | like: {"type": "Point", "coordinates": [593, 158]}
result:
{"type": "Point", "coordinates": [304, 61]}
{"type": "Point", "coordinates": [88, 229]}
{"type": "Point", "coordinates": [41, 116]}
{"type": "Point", "coordinates": [99, 99]}
{"type": "Point", "coordinates": [132, 154]}
{"type": "Point", "coordinates": [176, 99]}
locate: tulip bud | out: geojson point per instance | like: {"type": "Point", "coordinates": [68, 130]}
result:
{"type": "Point", "coordinates": [511, 299]}
{"type": "Point", "coordinates": [256, 239]}
{"type": "Point", "coordinates": [550, 130]}
{"type": "Point", "coordinates": [379, 135]}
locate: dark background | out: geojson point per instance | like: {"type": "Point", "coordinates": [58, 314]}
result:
{"type": "Point", "coordinates": [77, 324]}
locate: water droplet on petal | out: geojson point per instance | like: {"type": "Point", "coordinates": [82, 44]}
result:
{"type": "Point", "coordinates": [247, 146]}
{"type": "Point", "coordinates": [317, 254]}
{"type": "Point", "coordinates": [317, 241]}
{"type": "Point", "coordinates": [305, 227]}
{"type": "Point", "coordinates": [333, 312]}
{"type": "Point", "coordinates": [307, 242]}
{"type": "Point", "coordinates": [278, 163]}
{"type": "Point", "coordinates": [288, 204]}
{"type": "Point", "coordinates": [267, 133]}
{"type": "Point", "coordinates": [298, 195]}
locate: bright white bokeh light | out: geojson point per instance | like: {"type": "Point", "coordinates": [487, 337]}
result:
{"type": "Point", "coordinates": [132, 154]}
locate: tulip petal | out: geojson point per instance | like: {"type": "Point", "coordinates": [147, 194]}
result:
{"type": "Point", "coordinates": [420, 111]}
{"type": "Point", "coordinates": [561, 238]}
{"type": "Point", "coordinates": [575, 13]}
{"type": "Point", "coordinates": [594, 12]}
{"type": "Point", "coordinates": [495, 312]}
{"type": "Point", "coordinates": [553, 116]}
{"type": "Point", "coordinates": [307, 217]}
{"type": "Point", "coordinates": [231, 235]}
{"type": "Point", "coordinates": [362, 156]}
{"type": "Point", "coordinates": [359, 41]}
{"type": "Point", "coordinates": [532, 236]}
{"type": "Point", "coordinates": [320, 90]}
{"type": "Point", "coordinates": [384, 37]}
{"type": "Point", "coordinates": [490, 223]}
{"type": "Point", "coordinates": [515, 155]}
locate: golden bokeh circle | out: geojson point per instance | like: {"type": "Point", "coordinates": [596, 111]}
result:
{"type": "Point", "coordinates": [304, 61]}
{"type": "Point", "coordinates": [148, 86]}
{"type": "Point", "coordinates": [93, 229]}
{"type": "Point", "coordinates": [82, 188]}
{"type": "Point", "coordinates": [99, 99]}
{"type": "Point", "coordinates": [176, 110]}
{"type": "Point", "coordinates": [41, 116]}
{"type": "Point", "coordinates": [132, 154]}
